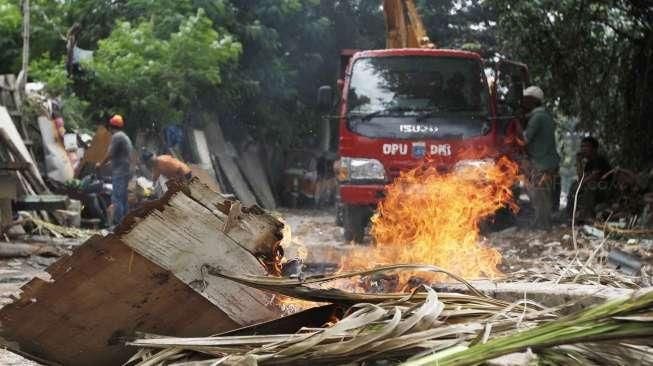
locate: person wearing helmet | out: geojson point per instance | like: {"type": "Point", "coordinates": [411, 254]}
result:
{"type": "Point", "coordinates": [539, 137]}
{"type": "Point", "coordinates": [119, 157]}
{"type": "Point", "coordinates": [166, 166]}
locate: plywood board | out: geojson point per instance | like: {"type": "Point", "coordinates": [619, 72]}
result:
{"type": "Point", "coordinates": [99, 146]}
{"type": "Point", "coordinates": [185, 236]}
{"type": "Point", "coordinates": [250, 165]}
{"type": "Point", "coordinates": [203, 153]}
{"type": "Point", "coordinates": [8, 126]}
{"type": "Point", "coordinates": [218, 146]}
{"type": "Point", "coordinates": [98, 296]}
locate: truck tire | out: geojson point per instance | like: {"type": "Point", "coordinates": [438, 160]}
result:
{"type": "Point", "coordinates": [354, 223]}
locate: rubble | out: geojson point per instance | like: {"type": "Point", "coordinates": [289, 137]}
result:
{"type": "Point", "coordinates": [142, 276]}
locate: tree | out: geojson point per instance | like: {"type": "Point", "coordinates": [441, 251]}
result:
{"type": "Point", "coordinates": [10, 41]}
{"type": "Point", "coordinates": [594, 58]}
{"type": "Point", "coordinates": [153, 80]}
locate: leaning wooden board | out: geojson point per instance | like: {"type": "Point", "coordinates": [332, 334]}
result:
{"type": "Point", "coordinates": [218, 147]}
{"type": "Point", "coordinates": [146, 277]}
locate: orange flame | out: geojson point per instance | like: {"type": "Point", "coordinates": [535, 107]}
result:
{"type": "Point", "coordinates": [430, 217]}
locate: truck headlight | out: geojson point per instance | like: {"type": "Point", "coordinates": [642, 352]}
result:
{"type": "Point", "coordinates": [359, 169]}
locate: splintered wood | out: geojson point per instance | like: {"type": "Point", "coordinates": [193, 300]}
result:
{"type": "Point", "coordinates": [148, 277]}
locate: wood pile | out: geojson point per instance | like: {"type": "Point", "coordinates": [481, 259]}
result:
{"type": "Point", "coordinates": [238, 170]}
{"type": "Point", "coordinates": [147, 276]}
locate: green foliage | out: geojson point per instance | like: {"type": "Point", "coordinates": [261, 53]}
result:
{"type": "Point", "coordinates": [52, 73]}
{"type": "Point", "coordinates": [154, 80]}
{"type": "Point", "coordinates": [593, 59]}
{"type": "Point", "coordinates": [10, 44]}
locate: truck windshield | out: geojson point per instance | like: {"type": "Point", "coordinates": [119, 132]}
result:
{"type": "Point", "coordinates": [408, 85]}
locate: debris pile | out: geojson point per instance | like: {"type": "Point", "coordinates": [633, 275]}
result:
{"type": "Point", "coordinates": [422, 328]}
{"type": "Point", "coordinates": [146, 276]}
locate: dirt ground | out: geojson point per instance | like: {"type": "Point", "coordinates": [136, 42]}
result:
{"type": "Point", "coordinates": [316, 237]}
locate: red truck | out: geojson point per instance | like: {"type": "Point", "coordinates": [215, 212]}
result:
{"type": "Point", "coordinates": [401, 106]}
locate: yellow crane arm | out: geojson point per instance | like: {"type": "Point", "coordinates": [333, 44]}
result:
{"type": "Point", "coordinates": [404, 25]}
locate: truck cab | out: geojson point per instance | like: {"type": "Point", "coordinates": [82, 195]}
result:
{"type": "Point", "coordinates": [399, 108]}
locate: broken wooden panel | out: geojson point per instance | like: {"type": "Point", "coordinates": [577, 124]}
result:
{"type": "Point", "coordinates": [146, 277]}
{"type": "Point", "coordinates": [185, 236]}
{"type": "Point", "coordinates": [255, 230]}
{"type": "Point", "coordinates": [206, 176]}
{"type": "Point", "coordinates": [97, 296]}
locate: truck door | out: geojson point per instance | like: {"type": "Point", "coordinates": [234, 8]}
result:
{"type": "Point", "coordinates": [510, 80]}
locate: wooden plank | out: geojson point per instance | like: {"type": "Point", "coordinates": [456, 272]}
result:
{"type": "Point", "coordinates": [250, 165]}
{"type": "Point", "coordinates": [205, 176]}
{"type": "Point", "coordinates": [32, 175]}
{"type": "Point", "coordinates": [15, 166]}
{"type": "Point", "coordinates": [217, 144]}
{"type": "Point", "coordinates": [203, 154]}
{"type": "Point", "coordinates": [182, 238]}
{"type": "Point", "coordinates": [99, 146]}
{"type": "Point", "coordinates": [146, 277]}
{"type": "Point", "coordinates": [41, 202]}
{"type": "Point", "coordinates": [7, 125]}
{"type": "Point", "coordinates": [97, 296]}
{"type": "Point", "coordinates": [256, 231]}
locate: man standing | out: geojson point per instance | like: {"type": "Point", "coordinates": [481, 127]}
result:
{"type": "Point", "coordinates": [119, 155]}
{"type": "Point", "coordinates": [539, 137]}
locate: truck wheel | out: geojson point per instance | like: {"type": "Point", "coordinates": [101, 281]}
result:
{"type": "Point", "coordinates": [354, 224]}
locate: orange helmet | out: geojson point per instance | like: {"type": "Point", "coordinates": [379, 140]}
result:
{"type": "Point", "coordinates": [117, 121]}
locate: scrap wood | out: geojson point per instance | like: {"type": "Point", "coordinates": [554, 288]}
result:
{"type": "Point", "coordinates": [138, 279]}
{"type": "Point", "coordinates": [184, 233]}
{"type": "Point", "coordinates": [13, 250]}
{"type": "Point", "coordinates": [218, 147]}
{"type": "Point", "coordinates": [256, 231]}
{"type": "Point", "coordinates": [32, 175]}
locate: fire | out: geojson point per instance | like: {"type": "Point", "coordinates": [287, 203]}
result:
{"type": "Point", "coordinates": [429, 217]}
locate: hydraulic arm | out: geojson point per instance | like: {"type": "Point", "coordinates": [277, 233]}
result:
{"type": "Point", "coordinates": [404, 25]}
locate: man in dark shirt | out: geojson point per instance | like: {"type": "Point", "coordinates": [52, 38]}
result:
{"type": "Point", "coordinates": [591, 167]}
{"type": "Point", "coordinates": [543, 158]}
{"type": "Point", "coordinates": [119, 155]}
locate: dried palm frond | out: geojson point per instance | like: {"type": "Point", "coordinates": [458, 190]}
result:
{"type": "Point", "coordinates": [579, 274]}
{"type": "Point", "coordinates": [302, 289]}
{"type": "Point", "coordinates": [424, 327]}
{"type": "Point", "coordinates": [623, 321]}
{"type": "Point", "coordinates": [391, 330]}
{"type": "Point", "coordinates": [59, 231]}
